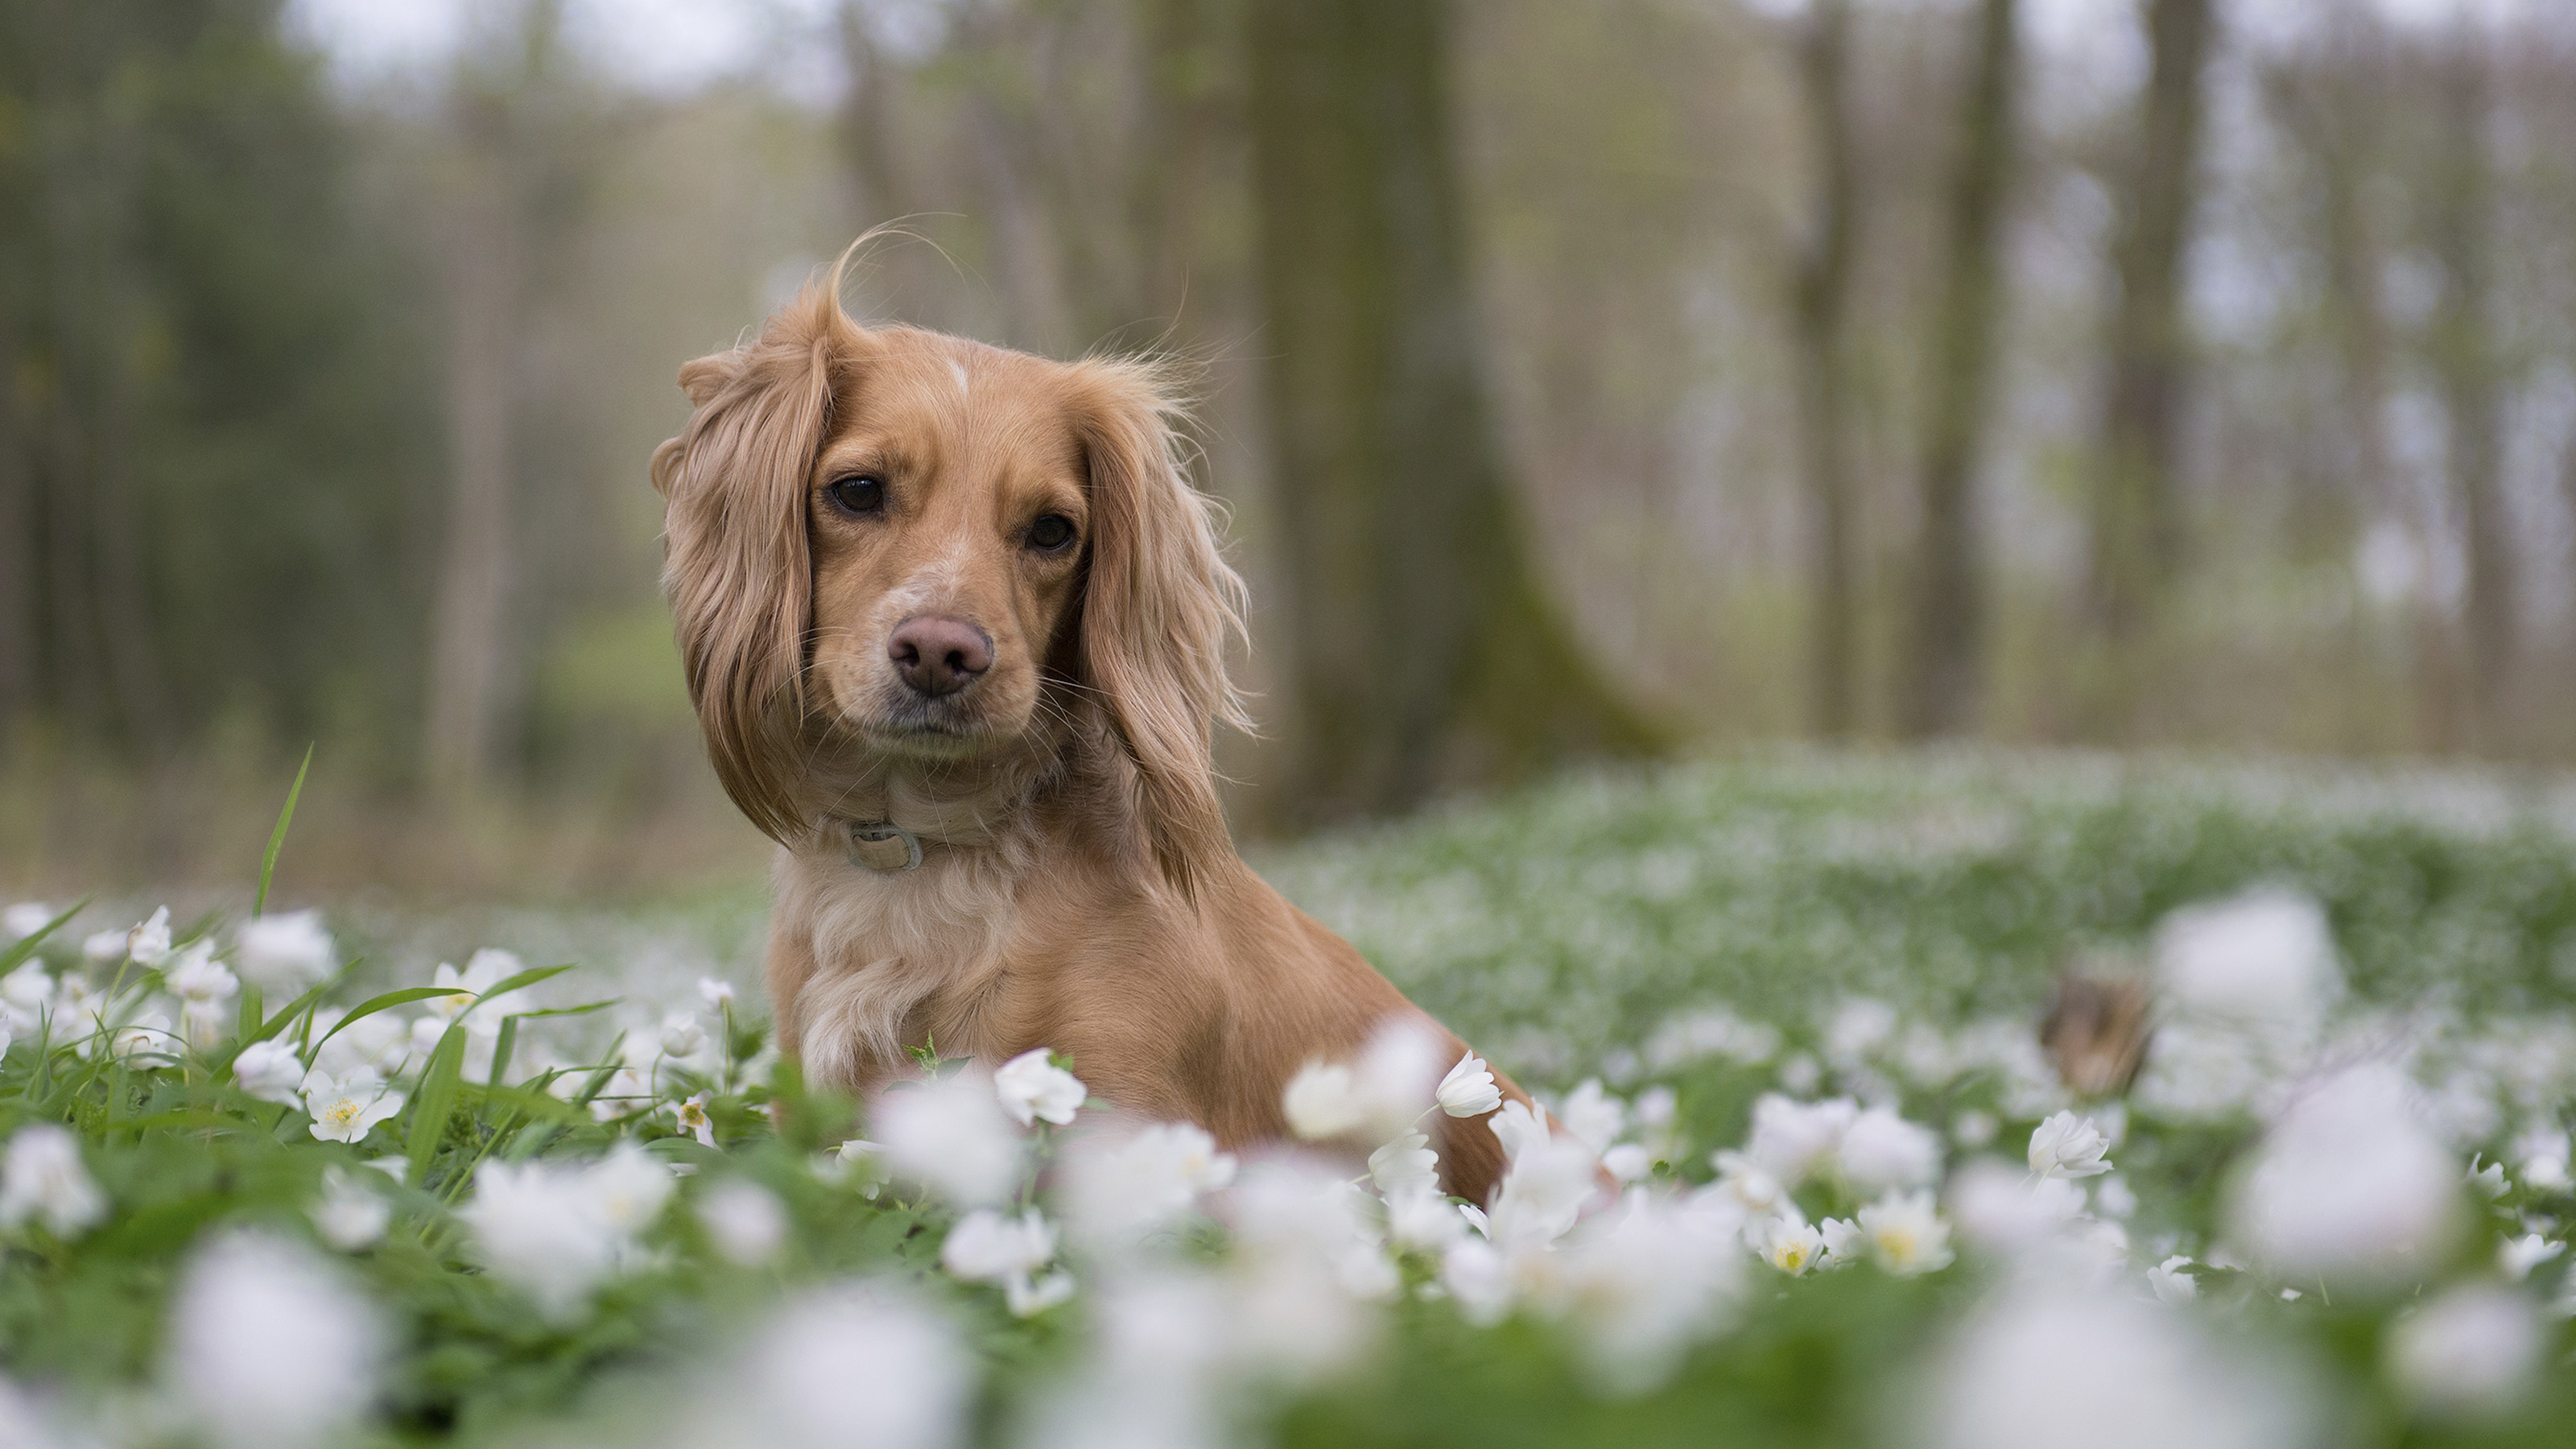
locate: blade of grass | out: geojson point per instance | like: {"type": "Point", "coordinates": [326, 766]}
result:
{"type": "Point", "coordinates": [439, 1082]}
{"type": "Point", "coordinates": [374, 1004]}
{"type": "Point", "coordinates": [277, 837]}
{"type": "Point", "coordinates": [25, 946]}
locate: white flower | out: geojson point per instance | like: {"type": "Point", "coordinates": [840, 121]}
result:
{"type": "Point", "coordinates": [1748, 1183]}
{"type": "Point", "coordinates": [345, 1109]}
{"type": "Point", "coordinates": [2348, 1185]}
{"type": "Point", "coordinates": [1468, 1090]}
{"type": "Point", "coordinates": [486, 969]}
{"type": "Point", "coordinates": [951, 1135]}
{"type": "Point", "coordinates": [1974, 1128]}
{"type": "Point", "coordinates": [1844, 1241]}
{"type": "Point", "coordinates": [285, 953]}
{"type": "Point", "coordinates": [270, 1071]}
{"type": "Point", "coordinates": [381, 1043]}
{"type": "Point", "coordinates": [149, 943]}
{"type": "Point", "coordinates": [1118, 1188]}
{"type": "Point", "coordinates": [556, 1232]}
{"type": "Point", "coordinates": [1792, 1139]}
{"type": "Point", "coordinates": [24, 919]}
{"type": "Point", "coordinates": [349, 1217]}
{"type": "Point", "coordinates": [2488, 1180]}
{"type": "Point", "coordinates": [1030, 1088]}
{"type": "Point", "coordinates": [1423, 1219]}
{"type": "Point", "coordinates": [625, 1092]}
{"type": "Point", "coordinates": [2068, 1146]}
{"type": "Point", "coordinates": [1592, 1115]}
{"type": "Point", "coordinates": [2265, 959]}
{"type": "Point", "coordinates": [2172, 1286]}
{"type": "Point", "coordinates": [1881, 1151]}
{"type": "Point", "coordinates": [1398, 1073]}
{"type": "Point", "coordinates": [145, 1039]}
{"type": "Point", "coordinates": [2002, 1211]}
{"type": "Point", "coordinates": [745, 1221]}
{"type": "Point", "coordinates": [2473, 1352]}
{"type": "Point", "coordinates": [1905, 1235]}
{"type": "Point", "coordinates": [859, 1365]}
{"type": "Point", "coordinates": [627, 1188]}
{"type": "Point", "coordinates": [2043, 1366]}
{"type": "Point", "coordinates": [1628, 1162]}
{"type": "Point", "coordinates": [717, 994]}
{"type": "Point", "coordinates": [28, 988]}
{"type": "Point", "coordinates": [1639, 1286]}
{"type": "Point", "coordinates": [269, 1348]}
{"type": "Point", "coordinates": [42, 1177]}
{"type": "Point", "coordinates": [2547, 1174]}
{"type": "Point", "coordinates": [102, 947]}
{"type": "Point", "coordinates": [986, 1247]}
{"type": "Point", "coordinates": [2113, 1198]}
{"type": "Point", "coordinates": [682, 1035]}
{"type": "Point", "coordinates": [693, 1119]}
{"type": "Point", "coordinates": [1789, 1245]}
{"type": "Point", "coordinates": [1323, 1101]}
{"type": "Point", "coordinates": [196, 976]}
{"type": "Point", "coordinates": [2518, 1256]}
{"type": "Point", "coordinates": [1404, 1164]}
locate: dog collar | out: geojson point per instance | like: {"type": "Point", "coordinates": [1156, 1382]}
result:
{"type": "Point", "coordinates": [882, 846]}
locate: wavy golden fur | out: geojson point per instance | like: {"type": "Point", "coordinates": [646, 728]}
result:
{"type": "Point", "coordinates": [840, 488]}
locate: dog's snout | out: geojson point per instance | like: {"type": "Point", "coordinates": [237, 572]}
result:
{"type": "Point", "coordinates": [937, 655]}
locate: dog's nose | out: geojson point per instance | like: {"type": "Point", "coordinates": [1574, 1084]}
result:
{"type": "Point", "coordinates": [938, 655]}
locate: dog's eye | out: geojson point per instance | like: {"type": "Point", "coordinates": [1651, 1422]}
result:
{"type": "Point", "coordinates": [1052, 531]}
{"type": "Point", "coordinates": [858, 493]}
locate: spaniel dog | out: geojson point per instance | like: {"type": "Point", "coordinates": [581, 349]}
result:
{"type": "Point", "coordinates": [954, 622]}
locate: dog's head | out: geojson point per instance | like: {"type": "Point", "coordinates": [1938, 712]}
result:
{"type": "Point", "coordinates": [908, 547]}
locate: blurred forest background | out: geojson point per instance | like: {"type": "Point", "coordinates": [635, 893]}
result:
{"type": "Point", "coordinates": [1679, 372]}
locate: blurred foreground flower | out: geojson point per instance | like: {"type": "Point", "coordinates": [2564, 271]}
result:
{"type": "Point", "coordinates": [862, 1367]}
{"type": "Point", "coordinates": [349, 1215]}
{"type": "Point", "coordinates": [951, 1135]}
{"type": "Point", "coordinates": [2471, 1353]}
{"type": "Point", "coordinates": [283, 954]}
{"type": "Point", "coordinates": [268, 1348]}
{"type": "Point", "coordinates": [1032, 1088]}
{"type": "Point", "coordinates": [558, 1232]}
{"type": "Point", "coordinates": [42, 1178]}
{"type": "Point", "coordinates": [2349, 1187]}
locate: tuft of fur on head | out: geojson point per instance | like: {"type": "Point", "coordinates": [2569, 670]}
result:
{"type": "Point", "coordinates": [1147, 636]}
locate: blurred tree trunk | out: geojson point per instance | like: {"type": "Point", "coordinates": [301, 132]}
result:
{"type": "Point", "coordinates": [18, 553]}
{"type": "Point", "coordinates": [2464, 358]}
{"type": "Point", "coordinates": [1943, 675]}
{"type": "Point", "coordinates": [1425, 653]}
{"type": "Point", "coordinates": [469, 642]}
{"type": "Point", "coordinates": [866, 119]}
{"type": "Point", "coordinates": [2136, 514]}
{"type": "Point", "coordinates": [1184, 108]}
{"type": "Point", "coordinates": [1822, 291]}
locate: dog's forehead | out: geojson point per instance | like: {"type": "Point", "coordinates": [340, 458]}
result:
{"type": "Point", "coordinates": [965, 399]}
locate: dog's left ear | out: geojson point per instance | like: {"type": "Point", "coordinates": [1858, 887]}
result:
{"type": "Point", "coordinates": [1158, 603]}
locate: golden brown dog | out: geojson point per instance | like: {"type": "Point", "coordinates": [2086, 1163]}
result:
{"type": "Point", "coordinates": [954, 620]}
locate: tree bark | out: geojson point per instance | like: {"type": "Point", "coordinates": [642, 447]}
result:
{"type": "Point", "coordinates": [1424, 652]}
{"type": "Point", "coordinates": [1943, 679]}
{"type": "Point", "coordinates": [2137, 518]}
{"type": "Point", "coordinates": [2464, 357]}
{"type": "Point", "coordinates": [1822, 290]}
{"type": "Point", "coordinates": [469, 644]}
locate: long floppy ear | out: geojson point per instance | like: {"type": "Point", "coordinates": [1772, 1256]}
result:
{"type": "Point", "coordinates": [1158, 604]}
{"type": "Point", "coordinates": [734, 547]}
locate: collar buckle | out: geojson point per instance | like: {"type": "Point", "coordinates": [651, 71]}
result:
{"type": "Point", "coordinates": [882, 846]}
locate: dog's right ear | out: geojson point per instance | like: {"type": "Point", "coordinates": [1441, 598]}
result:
{"type": "Point", "coordinates": [735, 562]}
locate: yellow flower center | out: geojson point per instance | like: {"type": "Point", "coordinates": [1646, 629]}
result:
{"type": "Point", "coordinates": [343, 1112]}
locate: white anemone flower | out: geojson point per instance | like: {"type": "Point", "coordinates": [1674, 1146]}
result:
{"type": "Point", "coordinates": [42, 1178]}
{"type": "Point", "coordinates": [1906, 1237]}
{"type": "Point", "coordinates": [1592, 1115]}
{"type": "Point", "coordinates": [1323, 1101]}
{"type": "Point", "coordinates": [715, 992]}
{"type": "Point", "coordinates": [149, 943]}
{"type": "Point", "coordinates": [2171, 1285]}
{"type": "Point", "coordinates": [484, 970]}
{"type": "Point", "coordinates": [270, 1071]}
{"type": "Point", "coordinates": [2518, 1256]}
{"type": "Point", "coordinates": [1032, 1088]}
{"type": "Point", "coordinates": [540, 1227]}
{"type": "Point", "coordinates": [345, 1109]}
{"type": "Point", "coordinates": [2263, 960]}
{"type": "Point", "coordinates": [745, 1221]}
{"type": "Point", "coordinates": [683, 1035]}
{"type": "Point", "coordinates": [1468, 1090]}
{"type": "Point", "coordinates": [2471, 1353]}
{"type": "Point", "coordinates": [1117, 1188]}
{"type": "Point", "coordinates": [1881, 1151]}
{"type": "Point", "coordinates": [284, 953]}
{"type": "Point", "coordinates": [348, 1215]}
{"type": "Point", "coordinates": [692, 1118]}
{"type": "Point", "coordinates": [1789, 1245]}
{"type": "Point", "coordinates": [2348, 1185]}
{"type": "Point", "coordinates": [197, 978]}
{"type": "Point", "coordinates": [1792, 1139]}
{"type": "Point", "coordinates": [2068, 1146]}
{"type": "Point", "coordinates": [24, 919]}
{"type": "Point", "coordinates": [986, 1247]}
{"type": "Point", "coordinates": [1405, 1164]}
{"type": "Point", "coordinates": [952, 1136]}
{"type": "Point", "coordinates": [269, 1348]}
{"type": "Point", "coordinates": [863, 1366]}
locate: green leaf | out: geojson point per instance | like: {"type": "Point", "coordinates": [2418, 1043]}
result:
{"type": "Point", "coordinates": [247, 1020]}
{"type": "Point", "coordinates": [277, 837]}
{"type": "Point", "coordinates": [297, 1007]}
{"type": "Point", "coordinates": [439, 1082]}
{"type": "Point", "coordinates": [509, 984]}
{"type": "Point", "coordinates": [19, 951]}
{"type": "Point", "coordinates": [585, 1009]}
{"type": "Point", "coordinates": [390, 999]}
{"type": "Point", "coordinates": [501, 1049]}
